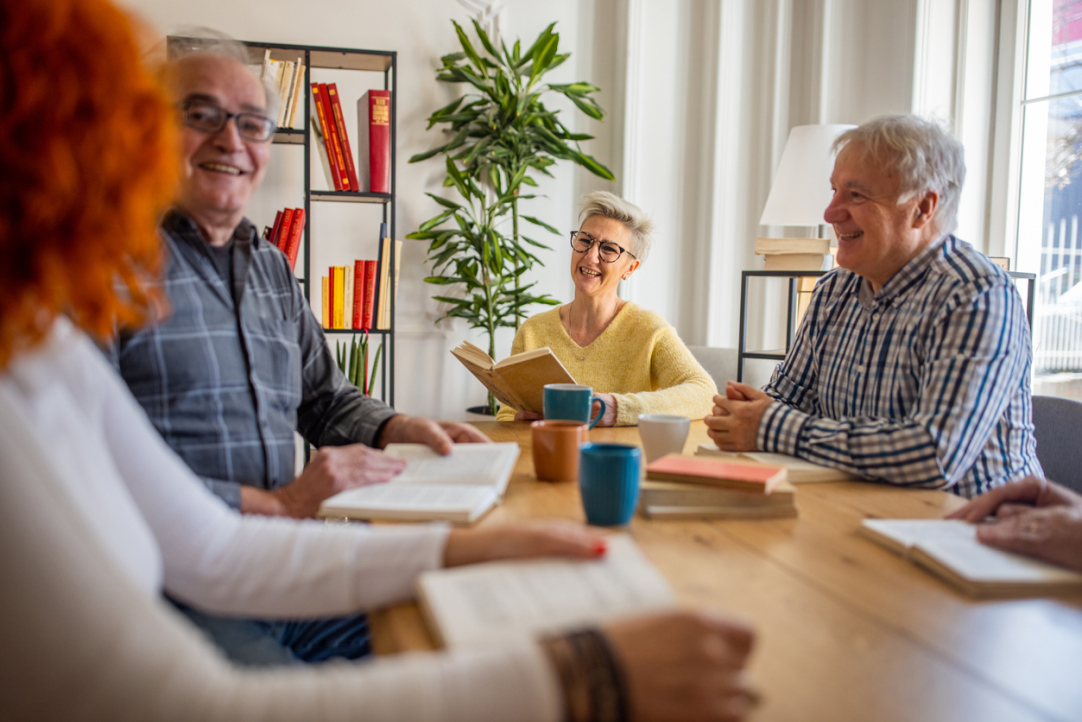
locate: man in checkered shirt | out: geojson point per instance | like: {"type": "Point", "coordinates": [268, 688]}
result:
{"type": "Point", "coordinates": [912, 363]}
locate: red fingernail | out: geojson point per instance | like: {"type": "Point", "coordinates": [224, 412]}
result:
{"type": "Point", "coordinates": [600, 547]}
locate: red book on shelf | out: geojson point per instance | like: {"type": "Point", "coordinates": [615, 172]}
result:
{"type": "Point", "coordinates": [293, 244]}
{"type": "Point", "coordinates": [330, 297]}
{"type": "Point", "coordinates": [282, 235]}
{"type": "Point", "coordinates": [369, 294]}
{"type": "Point", "coordinates": [343, 136]}
{"type": "Point", "coordinates": [358, 294]}
{"type": "Point", "coordinates": [274, 229]}
{"type": "Point", "coordinates": [328, 138]}
{"type": "Point", "coordinates": [374, 140]}
{"type": "Point", "coordinates": [334, 143]}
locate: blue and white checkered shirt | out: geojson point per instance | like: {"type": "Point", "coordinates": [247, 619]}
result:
{"type": "Point", "coordinates": [230, 374]}
{"type": "Point", "coordinates": [925, 383]}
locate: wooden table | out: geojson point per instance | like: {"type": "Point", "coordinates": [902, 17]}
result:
{"type": "Point", "coordinates": [847, 630]}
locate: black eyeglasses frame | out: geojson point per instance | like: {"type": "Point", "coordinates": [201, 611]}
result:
{"type": "Point", "coordinates": [575, 234]}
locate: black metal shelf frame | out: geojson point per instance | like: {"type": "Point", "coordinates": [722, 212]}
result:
{"type": "Point", "coordinates": [331, 58]}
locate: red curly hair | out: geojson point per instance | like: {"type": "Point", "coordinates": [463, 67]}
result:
{"type": "Point", "coordinates": [89, 159]}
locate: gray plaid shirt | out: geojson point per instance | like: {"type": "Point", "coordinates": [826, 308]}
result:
{"type": "Point", "coordinates": [230, 374]}
{"type": "Point", "coordinates": [924, 384]}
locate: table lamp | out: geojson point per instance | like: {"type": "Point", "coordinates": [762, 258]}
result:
{"type": "Point", "coordinates": [798, 196]}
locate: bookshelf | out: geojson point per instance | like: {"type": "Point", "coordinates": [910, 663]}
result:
{"type": "Point", "coordinates": [316, 58]}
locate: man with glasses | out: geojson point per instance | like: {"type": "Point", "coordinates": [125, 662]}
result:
{"type": "Point", "coordinates": [633, 359]}
{"type": "Point", "coordinates": [239, 362]}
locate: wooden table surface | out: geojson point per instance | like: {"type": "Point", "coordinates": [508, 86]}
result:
{"type": "Point", "coordinates": [846, 629]}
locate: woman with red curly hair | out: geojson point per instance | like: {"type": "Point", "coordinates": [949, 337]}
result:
{"type": "Point", "coordinates": [97, 515]}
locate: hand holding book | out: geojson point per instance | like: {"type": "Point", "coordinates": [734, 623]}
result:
{"type": "Point", "coordinates": [1036, 518]}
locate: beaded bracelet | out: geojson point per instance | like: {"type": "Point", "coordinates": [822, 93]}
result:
{"type": "Point", "coordinates": [590, 675]}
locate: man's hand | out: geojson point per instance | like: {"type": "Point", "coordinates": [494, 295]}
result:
{"type": "Point", "coordinates": [1052, 534]}
{"type": "Point", "coordinates": [1034, 517]}
{"type": "Point", "coordinates": [734, 424]}
{"type": "Point", "coordinates": [1013, 498]}
{"type": "Point", "coordinates": [684, 666]}
{"type": "Point", "coordinates": [331, 470]}
{"type": "Point", "coordinates": [555, 538]}
{"type": "Point", "coordinates": [438, 435]}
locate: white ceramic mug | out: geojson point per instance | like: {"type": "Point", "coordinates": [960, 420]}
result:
{"type": "Point", "coordinates": [663, 434]}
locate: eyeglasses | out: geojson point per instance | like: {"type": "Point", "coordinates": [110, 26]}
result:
{"type": "Point", "coordinates": [210, 118]}
{"type": "Point", "coordinates": [607, 251]}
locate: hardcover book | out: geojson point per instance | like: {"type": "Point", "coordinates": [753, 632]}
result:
{"type": "Point", "coordinates": [374, 141]}
{"type": "Point", "coordinates": [768, 246]}
{"type": "Point", "coordinates": [459, 487]}
{"type": "Point", "coordinates": [525, 598]}
{"type": "Point", "coordinates": [293, 244]}
{"type": "Point", "coordinates": [358, 294]}
{"type": "Point", "coordinates": [517, 381]}
{"type": "Point", "coordinates": [671, 500]}
{"type": "Point", "coordinates": [343, 137]}
{"type": "Point", "coordinates": [715, 472]}
{"type": "Point", "coordinates": [948, 548]}
{"type": "Point", "coordinates": [800, 471]}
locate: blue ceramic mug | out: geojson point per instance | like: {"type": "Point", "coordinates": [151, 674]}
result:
{"type": "Point", "coordinates": [571, 402]}
{"type": "Point", "coordinates": [609, 482]}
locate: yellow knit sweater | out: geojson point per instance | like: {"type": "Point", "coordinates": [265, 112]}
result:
{"type": "Point", "coordinates": [638, 359]}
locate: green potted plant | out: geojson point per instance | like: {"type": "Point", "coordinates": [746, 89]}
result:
{"type": "Point", "coordinates": [501, 132]}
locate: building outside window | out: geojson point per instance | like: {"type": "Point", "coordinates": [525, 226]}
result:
{"type": "Point", "coordinates": [1050, 195]}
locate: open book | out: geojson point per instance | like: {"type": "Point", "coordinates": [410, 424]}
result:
{"type": "Point", "coordinates": [800, 471]}
{"type": "Point", "coordinates": [949, 549]}
{"type": "Point", "coordinates": [460, 487]}
{"type": "Point", "coordinates": [485, 604]}
{"type": "Point", "coordinates": [518, 381]}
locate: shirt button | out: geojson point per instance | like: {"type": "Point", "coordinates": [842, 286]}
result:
{"type": "Point", "coordinates": [875, 316]}
{"type": "Point", "coordinates": [860, 369]}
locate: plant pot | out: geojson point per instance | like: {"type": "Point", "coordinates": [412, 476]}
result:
{"type": "Point", "coordinates": [479, 413]}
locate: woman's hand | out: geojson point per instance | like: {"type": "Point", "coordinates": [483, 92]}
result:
{"type": "Point", "coordinates": [553, 538]}
{"type": "Point", "coordinates": [609, 417]}
{"type": "Point", "coordinates": [684, 666]}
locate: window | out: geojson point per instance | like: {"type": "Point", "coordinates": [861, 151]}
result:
{"type": "Point", "coordinates": [1050, 195]}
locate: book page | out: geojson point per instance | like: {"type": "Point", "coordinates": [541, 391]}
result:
{"type": "Point", "coordinates": [488, 603]}
{"type": "Point", "coordinates": [411, 501]}
{"type": "Point", "coordinates": [467, 464]}
{"type": "Point", "coordinates": [953, 543]}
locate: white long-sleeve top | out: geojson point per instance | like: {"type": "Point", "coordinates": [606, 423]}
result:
{"type": "Point", "coordinates": [97, 515]}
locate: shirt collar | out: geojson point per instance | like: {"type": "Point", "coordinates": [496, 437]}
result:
{"type": "Point", "coordinates": [180, 225]}
{"type": "Point", "coordinates": [905, 279]}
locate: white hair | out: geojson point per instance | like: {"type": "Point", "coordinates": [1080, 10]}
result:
{"type": "Point", "coordinates": [924, 155]}
{"type": "Point", "coordinates": [199, 41]}
{"type": "Point", "coordinates": [609, 205]}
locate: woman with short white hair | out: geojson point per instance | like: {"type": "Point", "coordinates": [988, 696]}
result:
{"type": "Point", "coordinates": [632, 357]}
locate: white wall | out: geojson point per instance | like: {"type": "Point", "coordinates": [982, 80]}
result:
{"type": "Point", "coordinates": [699, 94]}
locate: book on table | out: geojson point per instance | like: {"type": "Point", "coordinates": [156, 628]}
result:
{"type": "Point", "coordinates": [460, 487]}
{"type": "Point", "coordinates": [517, 381]}
{"type": "Point", "coordinates": [489, 604]}
{"type": "Point", "coordinates": [949, 549]}
{"type": "Point", "coordinates": [800, 471]}
{"type": "Point", "coordinates": [757, 478]}
{"type": "Point", "coordinates": [676, 500]}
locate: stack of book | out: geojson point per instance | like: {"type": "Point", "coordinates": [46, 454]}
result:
{"type": "Point", "coordinates": [286, 232]}
{"type": "Point", "coordinates": [372, 171]}
{"type": "Point", "coordinates": [287, 78]}
{"type": "Point", "coordinates": [795, 254]}
{"type": "Point", "coordinates": [359, 296]}
{"type": "Point", "coordinates": [689, 487]}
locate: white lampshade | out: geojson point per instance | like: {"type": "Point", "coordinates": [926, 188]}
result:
{"type": "Point", "coordinates": [801, 189]}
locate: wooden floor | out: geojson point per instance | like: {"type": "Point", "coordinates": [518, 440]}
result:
{"type": "Point", "coordinates": [847, 630]}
